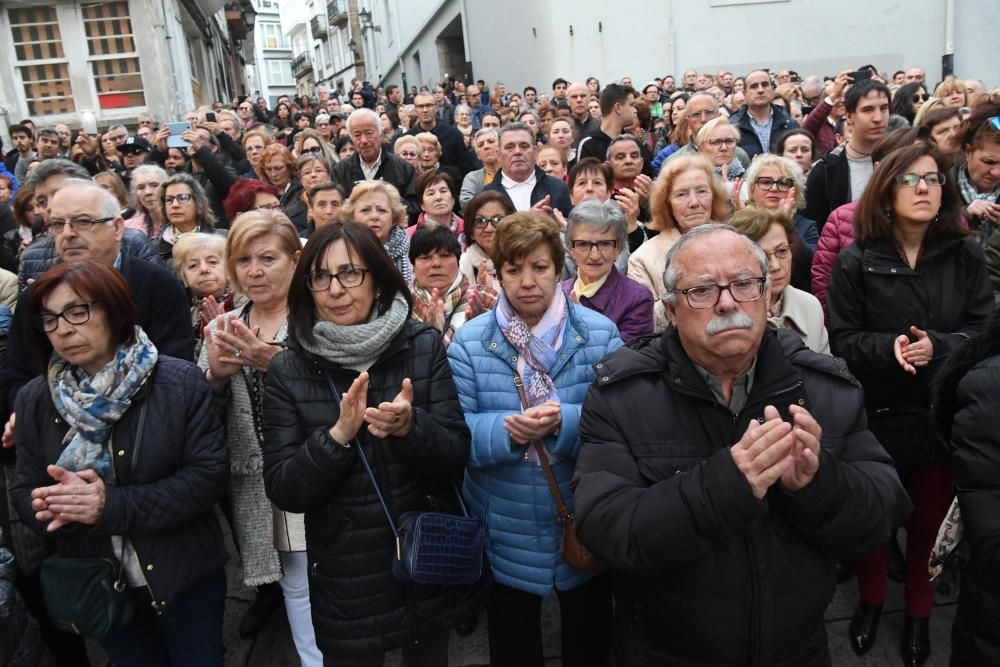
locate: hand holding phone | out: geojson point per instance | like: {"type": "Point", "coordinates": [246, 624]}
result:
{"type": "Point", "coordinates": [88, 122]}
{"type": "Point", "coordinates": [174, 139]}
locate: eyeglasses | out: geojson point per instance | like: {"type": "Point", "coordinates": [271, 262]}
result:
{"type": "Point", "coordinates": [781, 253]}
{"type": "Point", "coordinates": [407, 154]}
{"type": "Point", "coordinates": [182, 198]}
{"type": "Point", "coordinates": [920, 97]}
{"type": "Point", "coordinates": [268, 207]}
{"type": "Point", "coordinates": [931, 178]}
{"type": "Point", "coordinates": [424, 106]}
{"type": "Point", "coordinates": [75, 315]}
{"type": "Point", "coordinates": [314, 149]}
{"type": "Point", "coordinates": [604, 246]}
{"type": "Point", "coordinates": [56, 227]}
{"type": "Point", "coordinates": [246, 108]}
{"type": "Point", "coordinates": [721, 143]}
{"type": "Point", "coordinates": [768, 183]}
{"type": "Point", "coordinates": [317, 281]}
{"type": "Point", "coordinates": [707, 296]}
{"type": "Point", "coordinates": [706, 114]}
{"type": "Point", "coordinates": [483, 222]}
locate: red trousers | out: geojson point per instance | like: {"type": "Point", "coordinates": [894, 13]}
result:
{"type": "Point", "coordinates": [931, 489]}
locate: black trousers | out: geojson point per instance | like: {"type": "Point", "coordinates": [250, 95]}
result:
{"type": "Point", "coordinates": [430, 651]}
{"type": "Point", "coordinates": [515, 625]}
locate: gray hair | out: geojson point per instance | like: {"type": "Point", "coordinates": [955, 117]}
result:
{"type": "Point", "coordinates": [463, 107]}
{"type": "Point", "coordinates": [515, 127]}
{"type": "Point", "coordinates": [108, 204]}
{"type": "Point", "coordinates": [189, 243]}
{"type": "Point", "coordinates": [620, 138]}
{"type": "Point", "coordinates": [484, 131]}
{"type": "Point", "coordinates": [226, 114]}
{"type": "Point", "coordinates": [57, 167]}
{"type": "Point", "coordinates": [788, 169]}
{"type": "Point", "coordinates": [203, 209]}
{"type": "Point", "coordinates": [670, 272]}
{"type": "Point", "coordinates": [362, 115]}
{"type": "Point", "coordinates": [116, 127]}
{"type": "Point", "coordinates": [601, 216]}
{"type": "Point", "coordinates": [142, 170]}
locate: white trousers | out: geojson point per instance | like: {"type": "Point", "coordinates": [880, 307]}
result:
{"type": "Point", "coordinates": [295, 586]}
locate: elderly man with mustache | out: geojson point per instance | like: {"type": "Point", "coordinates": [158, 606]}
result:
{"type": "Point", "coordinates": [725, 468]}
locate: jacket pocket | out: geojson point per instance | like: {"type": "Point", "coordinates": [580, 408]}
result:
{"type": "Point", "coordinates": [906, 433]}
{"type": "Point", "coordinates": [661, 459]}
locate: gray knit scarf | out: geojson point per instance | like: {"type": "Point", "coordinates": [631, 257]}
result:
{"type": "Point", "coordinates": [358, 344]}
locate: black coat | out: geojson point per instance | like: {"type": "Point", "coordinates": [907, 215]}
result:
{"type": "Point", "coordinates": [294, 207]}
{"type": "Point", "coordinates": [873, 298]}
{"type": "Point", "coordinates": [453, 150]}
{"type": "Point", "coordinates": [394, 170]}
{"type": "Point", "coordinates": [705, 573]}
{"type": "Point", "coordinates": [545, 185]}
{"type": "Point", "coordinates": [166, 505]}
{"type": "Point", "coordinates": [164, 313]}
{"type": "Point", "coordinates": [358, 607]}
{"type": "Point", "coordinates": [828, 185]}
{"type": "Point", "coordinates": [976, 441]}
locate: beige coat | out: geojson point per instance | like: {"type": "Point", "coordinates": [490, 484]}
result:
{"type": "Point", "coordinates": [802, 313]}
{"type": "Point", "coordinates": [646, 266]}
{"type": "Point", "coordinates": [8, 289]}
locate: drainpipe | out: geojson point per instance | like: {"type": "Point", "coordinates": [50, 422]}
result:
{"type": "Point", "coordinates": [948, 59]}
{"type": "Point", "coordinates": [462, 7]}
{"type": "Point", "coordinates": [175, 110]}
{"type": "Point", "coordinates": [399, 56]}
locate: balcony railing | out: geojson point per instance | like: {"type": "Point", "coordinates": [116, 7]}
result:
{"type": "Point", "coordinates": [302, 64]}
{"type": "Point", "coordinates": [318, 25]}
{"type": "Point", "coordinates": [336, 12]}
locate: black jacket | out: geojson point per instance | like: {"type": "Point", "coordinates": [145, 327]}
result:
{"type": "Point", "coordinates": [750, 142]}
{"type": "Point", "coordinates": [358, 607]}
{"type": "Point", "coordinates": [394, 170]}
{"type": "Point", "coordinates": [453, 150]}
{"type": "Point", "coordinates": [875, 297]}
{"type": "Point", "coordinates": [828, 185]}
{"type": "Point", "coordinates": [163, 499]}
{"type": "Point", "coordinates": [295, 208]}
{"type": "Point", "coordinates": [545, 185]}
{"type": "Point", "coordinates": [706, 574]}
{"type": "Point", "coordinates": [976, 442]}
{"type": "Point", "coordinates": [596, 143]}
{"type": "Point", "coordinates": [164, 313]}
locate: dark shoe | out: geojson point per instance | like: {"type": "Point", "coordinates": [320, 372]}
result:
{"type": "Point", "coordinates": [864, 627]}
{"type": "Point", "coordinates": [467, 627]}
{"type": "Point", "coordinates": [268, 599]}
{"type": "Point", "coordinates": [844, 571]}
{"type": "Point", "coordinates": [916, 641]}
{"type": "Point", "coordinates": [897, 562]}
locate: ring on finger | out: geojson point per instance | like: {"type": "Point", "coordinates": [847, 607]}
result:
{"type": "Point", "coordinates": [238, 353]}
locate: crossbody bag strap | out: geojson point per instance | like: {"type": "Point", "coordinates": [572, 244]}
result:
{"type": "Point", "coordinates": [364, 461]}
{"type": "Point", "coordinates": [543, 457]}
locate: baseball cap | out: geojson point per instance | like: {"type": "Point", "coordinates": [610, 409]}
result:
{"type": "Point", "coordinates": [134, 144]}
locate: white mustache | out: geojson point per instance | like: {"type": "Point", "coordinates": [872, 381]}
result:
{"type": "Point", "coordinates": [733, 321]}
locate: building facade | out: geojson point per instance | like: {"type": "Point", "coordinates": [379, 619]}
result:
{"type": "Point", "coordinates": [521, 42]}
{"type": "Point", "coordinates": [118, 58]}
{"type": "Point", "coordinates": [271, 77]}
{"type": "Point", "coordinates": [327, 53]}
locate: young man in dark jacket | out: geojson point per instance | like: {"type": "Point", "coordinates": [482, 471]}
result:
{"type": "Point", "coordinates": [761, 123]}
{"type": "Point", "coordinates": [722, 511]}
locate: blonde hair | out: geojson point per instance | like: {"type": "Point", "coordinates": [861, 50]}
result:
{"type": "Point", "coordinates": [370, 187]}
{"type": "Point", "coordinates": [429, 138]}
{"type": "Point", "coordinates": [708, 128]}
{"type": "Point", "coordinates": [950, 87]}
{"type": "Point", "coordinates": [788, 169]}
{"type": "Point", "coordinates": [252, 225]}
{"type": "Point", "coordinates": [659, 196]}
{"type": "Point", "coordinates": [189, 243]}
{"type": "Point", "coordinates": [405, 139]}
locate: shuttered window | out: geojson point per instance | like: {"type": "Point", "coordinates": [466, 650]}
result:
{"type": "Point", "coordinates": [41, 62]}
{"type": "Point", "coordinates": [113, 59]}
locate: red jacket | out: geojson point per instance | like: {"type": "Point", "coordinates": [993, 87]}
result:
{"type": "Point", "coordinates": [837, 234]}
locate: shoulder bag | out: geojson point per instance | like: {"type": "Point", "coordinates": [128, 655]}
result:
{"type": "Point", "coordinates": [89, 596]}
{"type": "Point", "coordinates": [434, 548]}
{"type": "Point", "coordinates": [573, 550]}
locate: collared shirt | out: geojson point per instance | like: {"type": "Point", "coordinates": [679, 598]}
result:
{"type": "Point", "coordinates": [763, 131]}
{"type": "Point", "coordinates": [371, 170]}
{"type": "Point", "coordinates": [519, 192]}
{"type": "Point", "coordinates": [741, 387]}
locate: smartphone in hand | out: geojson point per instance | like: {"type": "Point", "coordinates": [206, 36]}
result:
{"type": "Point", "coordinates": [176, 130]}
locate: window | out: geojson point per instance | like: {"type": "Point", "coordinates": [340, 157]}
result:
{"type": "Point", "coordinates": [273, 37]}
{"type": "Point", "coordinates": [279, 73]}
{"type": "Point", "coordinates": [41, 60]}
{"type": "Point", "coordinates": [113, 58]}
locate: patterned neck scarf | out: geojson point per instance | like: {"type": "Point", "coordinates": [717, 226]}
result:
{"type": "Point", "coordinates": [537, 347]}
{"type": "Point", "coordinates": [398, 249]}
{"type": "Point", "coordinates": [92, 405]}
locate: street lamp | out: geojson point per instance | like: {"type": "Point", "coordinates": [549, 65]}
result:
{"type": "Point", "coordinates": [249, 14]}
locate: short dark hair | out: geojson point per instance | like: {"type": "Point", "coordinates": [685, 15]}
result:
{"type": "Point", "coordinates": [612, 94]}
{"type": "Point", "coordinates": [521, 233]}
{"type": "Point", "coordinates": [433, 177]}
{"type": "Point", "coordinates": [47, 132]}
{"type": "Point", "coordinates": [531, 88]}
{"type": "Point", "coordinates": [591, 165]}
{"type": "Point", "coordinates": [342, 141]}
{"type": "Point", "coordinates": [558, 81]}
{"type": "Point", "coordinates": [471, 210]}
{"type": "Point", "coordinates": [326, 186]}
{"type": "Point", "coordinates": [862, 89]}
{"type": "Point", "coordinates": [21, 129]}
{"type": "Point", "coordinates": [796, 131]}
{"type": "Point", "coordinates": [92, 281]}
{"type": "Point", "coordinates": [429, 238]}
{"type": "Point", "coordinates": [362, 242]}
{"type": "Point", "coordinates": [872, 218]}
{"type": "Point", "coordinates": [390, 89]}
{"type": "Point", "coordinates": [897, 73]}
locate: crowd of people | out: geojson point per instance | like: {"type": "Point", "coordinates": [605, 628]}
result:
{"type": "Point", "coordinates": [743, 328]}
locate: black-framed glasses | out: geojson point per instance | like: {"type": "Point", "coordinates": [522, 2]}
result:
{"type": "Point", "coordinates": [707, 296]}
{"type": "Point", "coordinates": [76, 314]}
{"type": "Point", "coordinates": [482, 222]}
{"type": "Point", "coordinates": [768, 183]}
{"type": "Point", "coordinates": [182, 198]}
{"type": "Point", "coordinates": [603, 246]}
{"type": "Point", "coordinates": [314, 149]}
{"type": "Point", "coordinates": [56, 226]}
{"type": "Point", "coordinates": [317, 281]}
{"type": "Point", "coordinates": [931, 178]}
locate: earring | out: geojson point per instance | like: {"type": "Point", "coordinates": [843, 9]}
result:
{"type": "Point", "coordinates": [378, 293]}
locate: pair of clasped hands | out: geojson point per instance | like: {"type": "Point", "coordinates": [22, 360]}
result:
{"type": "Point", "coordinates": [775, 451]}
{"type": "Point", "coordinates": [393, 418]}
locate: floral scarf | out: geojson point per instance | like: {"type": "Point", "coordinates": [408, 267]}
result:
{"type": "Point", "coordinates": [537, 347]}
{"type": "Point", "coordinates": [93, 405]}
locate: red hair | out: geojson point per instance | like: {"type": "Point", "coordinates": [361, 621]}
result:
{"type": "Point", "coordinates": [272, 151]}
{"type": "Point", "coordinates": [243, 195]}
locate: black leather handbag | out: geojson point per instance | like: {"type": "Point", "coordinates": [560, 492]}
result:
{"type": "Point", "coordinates": [89, 596]}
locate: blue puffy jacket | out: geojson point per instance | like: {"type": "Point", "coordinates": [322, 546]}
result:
{"type": "Point", "coordinates": [509, 493]}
